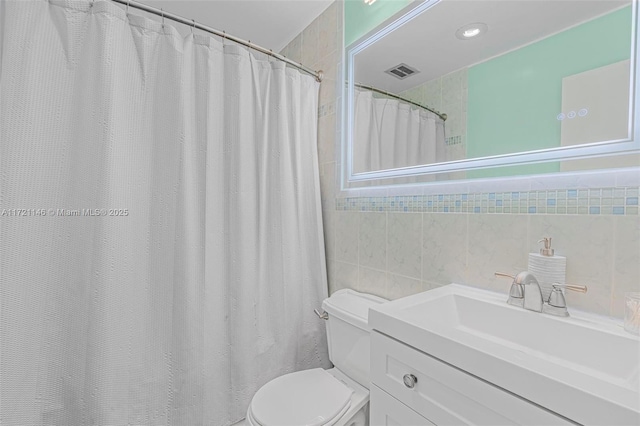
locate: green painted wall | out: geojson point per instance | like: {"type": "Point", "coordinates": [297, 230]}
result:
{"type": "Point", "coordinates": [513, 100]}
{"type": "Point", "coordinates": [360, 18]}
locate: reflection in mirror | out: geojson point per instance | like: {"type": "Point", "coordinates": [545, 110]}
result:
{"type": "Point", "coordinates": [416, 131]}
{"type": "Point", "coordinates": [478, 79]}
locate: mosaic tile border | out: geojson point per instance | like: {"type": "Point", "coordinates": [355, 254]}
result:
{"type": "Point", "coordinates": [593, 201]}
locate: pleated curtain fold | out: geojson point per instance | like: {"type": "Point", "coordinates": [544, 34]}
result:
{"type": "Point", "coordinates": [391, 134]}
{"type": "Point", "coordinates": [180, 254]}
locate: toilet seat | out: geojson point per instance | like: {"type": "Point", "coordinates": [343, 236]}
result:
{"type": "Point", "coordinates": [304, 398]}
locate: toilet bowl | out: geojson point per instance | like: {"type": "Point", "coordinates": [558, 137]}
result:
{"type": "Point", "coordinates": [317, 397]}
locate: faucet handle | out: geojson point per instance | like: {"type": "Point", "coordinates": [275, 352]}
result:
{"type": "Point", "coordinates": [516, 292]}
{"type": "Point", "coordinates": [578, 288]}
{"type": "Point", "coordinates": [504, 275]}
{"type": "Point", "coordinates": [522, 278]}
{"type": "Point", "coordinates": [556, 297]}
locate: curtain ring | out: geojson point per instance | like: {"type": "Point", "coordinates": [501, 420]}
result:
{"type": "Point", "coordinates": [194, 25]}
{"type": "Point", "coordinates": [162, 14]}
{"type": "Point", "coordinates": [128, 1]}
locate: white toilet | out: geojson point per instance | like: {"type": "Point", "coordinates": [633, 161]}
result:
{"type": "Point", "coordinates": [336, 397]}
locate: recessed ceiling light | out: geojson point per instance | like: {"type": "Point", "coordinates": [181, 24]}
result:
{"type": "Point", "coordinates": [471, 30]}
{"type": "Point", "coordinates": [369, 2]}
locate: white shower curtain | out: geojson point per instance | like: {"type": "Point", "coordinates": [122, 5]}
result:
{"type": "Point", "coordinates": [170, 254]}
{"type": "Point", "coordinates": [390, 134]}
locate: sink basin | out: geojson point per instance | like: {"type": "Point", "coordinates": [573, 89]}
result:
{"type": "Point", "coordinates": [584, 367]}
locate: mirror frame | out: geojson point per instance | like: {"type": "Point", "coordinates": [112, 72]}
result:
{"type": "Point", "coordinates": [597, 149]}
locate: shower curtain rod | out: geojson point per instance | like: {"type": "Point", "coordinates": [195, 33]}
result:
{"type": "Point", "coordinates": [192, 23]}
{"type": "Point", "coordinates": [392, 95]}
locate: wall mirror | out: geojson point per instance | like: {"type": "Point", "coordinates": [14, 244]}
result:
{"type": "Point", "coordinates": [464, 89]}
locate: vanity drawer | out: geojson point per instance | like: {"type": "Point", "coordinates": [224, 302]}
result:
{"type": "Point", "coordinates": [387, 411]}
{"type": "Point", "coordinates": [446, 395]}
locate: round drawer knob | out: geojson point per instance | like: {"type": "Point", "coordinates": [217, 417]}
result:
{"type": "Point", "coordinates": [410, 380]}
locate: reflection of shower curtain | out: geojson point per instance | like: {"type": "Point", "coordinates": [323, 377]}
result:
{"type": "Point", "coordinates": [199, 286]}
{"type": "Point", "coordinates": [389, 134]}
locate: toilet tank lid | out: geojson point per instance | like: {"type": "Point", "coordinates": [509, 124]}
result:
{"type": "Point", "coordinates": [351, 306]}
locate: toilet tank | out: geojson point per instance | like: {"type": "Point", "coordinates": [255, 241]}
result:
{"type": "Point", "coordinates": [348, 332]}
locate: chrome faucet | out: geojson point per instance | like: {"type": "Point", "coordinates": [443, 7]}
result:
{"type": "Point", "coordinates": [532, 294]}
{"type": "Point", "coordinates": [556, 304]}
{"type": "Point", "coordinates": [525, 292]}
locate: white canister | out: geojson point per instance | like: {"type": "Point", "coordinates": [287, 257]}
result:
{"type": "Point", "coordinates": [547, 267]}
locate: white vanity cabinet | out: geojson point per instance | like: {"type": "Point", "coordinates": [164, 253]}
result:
{"type": "Point", "coordinates": [442, 394]}
{"type": "Point", "coordinates": [475, 359]}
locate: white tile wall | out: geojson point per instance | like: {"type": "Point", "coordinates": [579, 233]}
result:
{"type": "Point", "coordinates": [404, 245]}
{"type": "Point", "coordinates": [372, 249]}
{"type": "Point", "coordinates": [444, 247]}
{"type": "Point", "coordinates": [347, 236]}
{"type": "Point", "coordinates": [626, 264]}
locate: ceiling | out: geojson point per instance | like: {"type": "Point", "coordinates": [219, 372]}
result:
{"type": "Point", "coordinates": [429, 43]}
{"type": "Point", "coordinates": [269, 23]}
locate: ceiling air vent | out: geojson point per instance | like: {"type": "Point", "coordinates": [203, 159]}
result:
{"type": "Point", "coordinates": [402, 71]}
